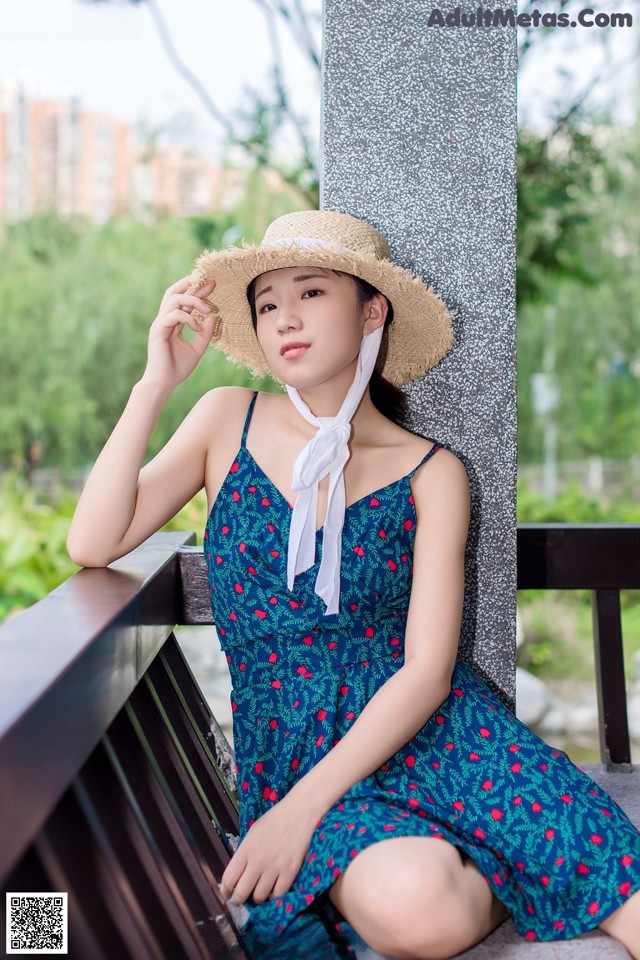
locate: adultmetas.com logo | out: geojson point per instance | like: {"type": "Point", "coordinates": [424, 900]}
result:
{"type": "Point", "coordinates": [507, 17]}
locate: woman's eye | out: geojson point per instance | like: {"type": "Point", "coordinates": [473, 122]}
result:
{"type": "Point", "coordinates": [311, 291]}
{"type": "Point", "coordinates": [264, 306]}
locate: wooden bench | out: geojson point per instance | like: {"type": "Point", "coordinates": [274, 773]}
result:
{"type": "Point", "coordinates": [118, 785]}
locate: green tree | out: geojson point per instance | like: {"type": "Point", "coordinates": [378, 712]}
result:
{"type": "Point", "coordinates": [76, 303]}
{"type": "Point", "coordinates": [579, 224]}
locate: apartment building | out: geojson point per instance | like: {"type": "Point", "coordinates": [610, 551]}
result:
{"type": "Point", "coordinates": [56, 157]}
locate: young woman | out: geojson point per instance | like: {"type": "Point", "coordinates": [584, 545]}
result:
{"type": "Point", "coordinates": [379, 779]}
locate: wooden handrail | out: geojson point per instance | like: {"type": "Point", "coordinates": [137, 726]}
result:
{"type": "Point", "coordinates": [603, 558]}
{"type": "Point", "coordinates": [68, 664]}
{"type": "Point", "coordinates": [578, 556]}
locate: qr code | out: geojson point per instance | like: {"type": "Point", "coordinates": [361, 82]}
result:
{"type": "Point", "coordinates": [37, 923]}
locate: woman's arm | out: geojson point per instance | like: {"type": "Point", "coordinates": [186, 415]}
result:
{"type": "Point", "coordinates": [121, 505]}
{"type": "Point", "coordinates": [407, 699]}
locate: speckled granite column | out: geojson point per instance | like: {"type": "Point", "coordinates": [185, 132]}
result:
{"type": "Point", "coordinates": [419, 138]}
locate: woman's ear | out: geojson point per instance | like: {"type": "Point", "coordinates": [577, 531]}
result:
{"type": "Point", "coordinates": [376, 311]}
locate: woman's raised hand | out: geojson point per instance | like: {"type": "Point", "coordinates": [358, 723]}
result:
{"type": "Point", "coordinates": [171, 358]}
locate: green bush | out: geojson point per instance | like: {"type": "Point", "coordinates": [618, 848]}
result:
{"type": "Point", "coordinates": [32, 541]}
{"type": "Point", "coordinates": [572, 505]}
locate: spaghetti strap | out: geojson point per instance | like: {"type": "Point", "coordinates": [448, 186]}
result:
{"type": "Point", "coordinates": [248, 419]}
{"type": "Point", "coordinates": [434, 449]}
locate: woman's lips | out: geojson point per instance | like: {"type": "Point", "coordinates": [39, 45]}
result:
{"type": "Point", "coordinates": [294, 352]}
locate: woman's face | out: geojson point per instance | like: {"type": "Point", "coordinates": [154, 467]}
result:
{"type": "Point", "coordinates": [314, 306]}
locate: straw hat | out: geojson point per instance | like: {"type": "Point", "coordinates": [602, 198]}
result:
{"type": "Point", "coordinates": [419, 335]}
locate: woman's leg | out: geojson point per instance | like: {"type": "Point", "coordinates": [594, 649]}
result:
{"type": "Point", "coordinates": [415, 897]}
{"type": "Point", "coordinates": [624, 925]}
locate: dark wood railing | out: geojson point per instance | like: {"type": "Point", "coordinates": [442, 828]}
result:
{"type": "Point", "coordinates": [603, 558]}
{"type": "Point", "coordinates": [116, 783]}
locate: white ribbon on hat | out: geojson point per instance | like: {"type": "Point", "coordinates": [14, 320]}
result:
{"type": "Point", "coordinates": [308, 242]}
{"type": "Point", "coordinates": [326, 453]}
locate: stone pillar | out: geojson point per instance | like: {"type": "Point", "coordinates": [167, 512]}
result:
{"type": "Point", "coordinates": [419, 135]}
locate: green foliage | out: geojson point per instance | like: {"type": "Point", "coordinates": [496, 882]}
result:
{"type": "Point", "coordinates": [572, 505]}
{"type": "Point", "coordinates": [558, 636]}
{"type": "Point", "coordinates": [33, 535]}
{"type": "Point", "coordinates": [579, 292]}
{"type": "Point", "coordinates": [261, 124]}
{"type": "Point", "coordinates": [558, 629]}
{"type": "Point", "coordinates": [209, 231]}
{"type": "Point", "coordinates": [559, 183]}
{"type": "Point", "coordinates": [76, 304]}
{"type": "Point", "coordinates": [32, 543]}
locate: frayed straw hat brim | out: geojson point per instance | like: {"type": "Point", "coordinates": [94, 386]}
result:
{"type": "Point", "coordinates": [418, 338]}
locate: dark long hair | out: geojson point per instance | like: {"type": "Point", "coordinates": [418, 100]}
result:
{"type": "Point", "coordinates": [385, 396]}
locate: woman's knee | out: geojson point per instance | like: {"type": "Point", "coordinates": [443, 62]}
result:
{"type": "Point", "coordinates": [424, 878]}
{"type": "Point", "coordinates": [428, 917]}
{"type": "Point", "coordinates": [624, 925]}
{"type": "Point", "coordinates": [405, 901]}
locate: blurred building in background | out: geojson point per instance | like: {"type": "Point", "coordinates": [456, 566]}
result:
{"type": "Point", "coordinates": [56, 157]}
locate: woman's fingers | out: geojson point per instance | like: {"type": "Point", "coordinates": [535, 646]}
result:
{"type": "Point", "coordinates": [239, 880]}
{"type": "Point", "coordinates": [204, 284]}
{"type": "Point", "coordinates": [260, 883]}
{"type": "Point", "coordinates": [182, 285]}
{"type": "Point", "coordinates": [177, 318]}
{"type": "Point", "coordinates": [186, 300]}
{"type": "Point", "coordinates": [245, 887]}
{"type": "Point", "coordinates": [171, 358]}
{"type": "Point", "coordinates": [263, 889]}
{"type": "Point", "coordinates": [185, 282]}
{"type": "Point", "coordinates": [281, 886]}
{"type": "Point", "coordinates": [233, 871]}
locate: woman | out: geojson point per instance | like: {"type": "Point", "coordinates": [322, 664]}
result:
{"type": "Point", "coordinates": [377, 775]}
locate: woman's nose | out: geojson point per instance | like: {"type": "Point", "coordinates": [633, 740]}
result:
{"type": "Point", "coordinates": [288, 316]}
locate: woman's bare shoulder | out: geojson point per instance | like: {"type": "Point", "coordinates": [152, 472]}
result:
{"type": "Point", "coordinates": [397, 438]}
{"type": "Point", "coordinates": [229, 393]}
{"type": "Point", "coordinates": [227, 400]}
{"type": "Point", "coordinates": [225, 407]}
{"type": "Point", "coordinates": [441, 483]}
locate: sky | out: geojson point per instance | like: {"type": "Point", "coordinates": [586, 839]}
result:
{"type": "Point", "coordinates": [110, 55]}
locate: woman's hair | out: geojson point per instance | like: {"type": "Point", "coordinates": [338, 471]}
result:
{"type": "Point", "coordinates": [385, 396]}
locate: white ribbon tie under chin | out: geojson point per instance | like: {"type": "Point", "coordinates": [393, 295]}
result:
{"type": "Point", "coordinates": [326, 453]}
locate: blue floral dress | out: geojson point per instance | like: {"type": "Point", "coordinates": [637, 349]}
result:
{"type": "Point", "coordinates": [553, 846]}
